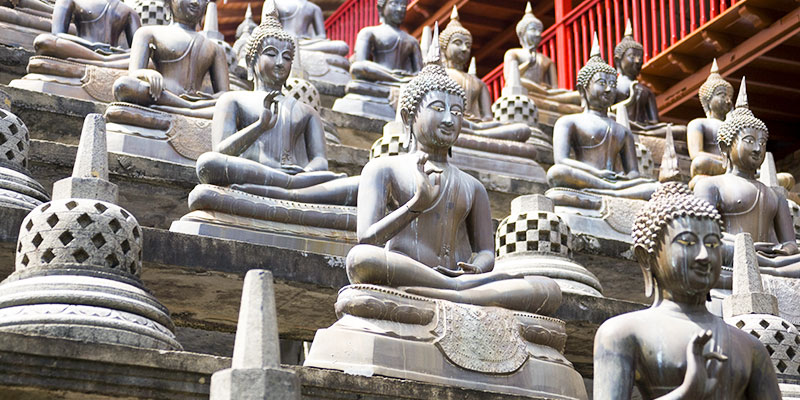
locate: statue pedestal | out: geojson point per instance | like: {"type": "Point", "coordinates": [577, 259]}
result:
{"type": "Point", "coordinates": [384, 331]}
{"type": "Point", "coordinates": [69, 79]}
{"type": "Point", "coordinates": [169, 137]}
{"type": "Point", "coordinates": [317, 228]}
{"type": "Point", "coordinates": [366, 99]}
{"type": "Point", "coordinates": [613, 220]}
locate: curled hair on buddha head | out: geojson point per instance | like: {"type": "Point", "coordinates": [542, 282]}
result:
{"type": "Point", "coordinates": [527, 20]}
{"type": "Point", "coordinates": [453, 27]}
{"type": "Point", "coordinates": [433, 77]}
{"type": "Point", "coordinates": [594, 65]}
{"type": "Point", "coordinates": [738, 120]}
{"type": "Point", "coordinates": [627, 43]}
{"type": "Point", "coordinates": [381, 4]}
{"type": "Point", "coordinates": [670, 201]}
{"type": "Point", "coordinates": [270, 27]}
{"type": "Point", "coordinates": [711, 84]}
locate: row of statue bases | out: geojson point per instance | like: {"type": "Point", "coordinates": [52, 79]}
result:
{"type": "Point", "coordinates": [427, 278]}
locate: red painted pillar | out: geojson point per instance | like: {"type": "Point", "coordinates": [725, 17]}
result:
{"type": "Point", "coordinates": [562, 8]}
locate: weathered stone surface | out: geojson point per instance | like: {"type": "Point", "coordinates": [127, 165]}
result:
{"type": "Point", "coordinates": [255, 372]}
{"type": "Point", "coordinates": [15, 59]}
{"type": "Point", "coordinates": [89, 178]}
{"type": "Point", "coordinates": [531, 203]}
{"type": "Point", "coordinates": [748, 295]}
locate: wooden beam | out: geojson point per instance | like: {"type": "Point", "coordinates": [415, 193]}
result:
{"type": "Point", "coordinates": [755, 17]}
{"type": "Point", "coordinates": [510, 32]}
{"type": "Point", "coordinates": [719, 41]}
{"type": "Point", "coordinates": [738, 57]}
{"type": "Point", "coordinates": [443, 13]}
{"type": "Point", "coordinates": [686, 64]}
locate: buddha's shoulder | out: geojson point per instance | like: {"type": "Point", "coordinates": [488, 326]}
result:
{"type": "Point", "coordinates": [628, 326]}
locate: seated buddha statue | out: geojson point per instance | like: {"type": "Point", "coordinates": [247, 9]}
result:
{"type": "Point", "coordinates": [100, 24]}
{"type": "Point", "coordinates": [604, 159]}
{"type": "Point", "coordinates": [182, 57]}
{"type": "Point", "coordinates": [321, 58]}
{"type": "Point", "coordinates": [384, 57]}
{"type": "Point", "coordinates": [716, 97]}
{"type": "Point", "coordinates": [456, 43]}
{"type": "Point", "coordinates": [424, 225]}
{"type": "Point", "coordinates": [266, 146]}
{"type": "Point", "coordinates": [746, 204]}
{"type": "Point", "coordinates": [677, 242]}
{"type": "Point", "coordinates": [528, 68]}
{"type": "Point", "coordinates": [67, 61]}
{"type": "Point", "coordinates": [639, 100]}
{"type": "Point", "coordinates": [243, 32]}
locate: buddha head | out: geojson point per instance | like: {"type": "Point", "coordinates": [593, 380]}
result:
{"type": "Point", "coordinates": [628, 54]}
{"type": "Point", "coordinates": [716, 94]}
{"type": "Point", "coordinates": [597, 81]}
{"type": "Point", "coordinates": [189, 12]}
{"type": "Point", "coordinates": [432, 104]}
{"type": "Point", "coordinates": [270, 51]}
{"type": "Point", "coordinates": [677, 242]}
{"type": "Point", "coordinates": [392, 12]}
{"type": "Point", "coordinates": [529, 29]}
{"type": "Point", "coordinates": [456, 42]}
{"type": "Point", "coordinates": [743, 137]}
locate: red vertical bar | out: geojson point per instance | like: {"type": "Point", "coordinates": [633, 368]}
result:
{"type": "Point", "coordinates": [592, 25]}
{"type": "Point", "coordinates": [577, 56]}
{"type": "Point", "coordinates": [618, 26]}
{"type": "Point", "coordinates": [662, 11]}
{"type": "Point", "coordinates": [609, 29]}
{"type": "Point", "coordinates": [723, 6]}
{"type": "Point", "coordinates": [645, 35]}
{"type": "Point", "coordinates": [584, 38]}
{"type": "Point", "coordinates": [626, 15]}
{"type": "Point", "coordinates": [635, 17]}
{"type": "Point", "coordinates": [714, 9]}
{"type": "Point", "coordinates": [672, 30]}
{"type": "Point", "coordinates": [562, 8]}
{"type": "Point", "coordinates": [683, 18]}
{"type": "Point", "coordinates": [693, 15]}
{"type": "Point", "coordinates": [653, 31]}
{"type": "Point", "coordinates": [703, 18]}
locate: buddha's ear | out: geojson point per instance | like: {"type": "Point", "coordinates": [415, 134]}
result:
{"type": "Point", "coordinates": [645, 262]}
{"type": "Point", "coordinates": [406, 117]}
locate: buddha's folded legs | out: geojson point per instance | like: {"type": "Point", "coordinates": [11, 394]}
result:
{"type": "Point", "coordinates": [326, 46]}
{"type": "Point", "coordinates": [561, 175]}
{"type": "Point", "coordinates": [48, 44]}
{"type": "Point", "coordinates": [705, 165]}
{"type": "Point", "coordinates": [535, 294]}
{"type": "Point", "coordinates": [342, 191]}
{"type": "Point", "coordinates": [133, 90]}
{"type": "Point", "coordinates": [223, 170]}
{"type": "Point", "coordinates": [516, 132]}
{"type": "Point", "coordinates": [378, 266]}
{"type": "Point", "coordinates": [373, 72]}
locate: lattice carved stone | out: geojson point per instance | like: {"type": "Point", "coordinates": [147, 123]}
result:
{"type": "Point", "coordinates": [516, 108]}
{"type": "Point", "coordinates": [14, 140]}
{"type": "Point", "coordinates": [534, 240]}
{"type": "Point", "coordinates": [780, 337]}
{"type": "Point", "coordinates": [152, 12]}
{"type": "Point", "coordinates": [303, 91]}
{"type": "Point", "coordinates": [647, 167]}
{"type": "Point", "coordinates": [80, 231]}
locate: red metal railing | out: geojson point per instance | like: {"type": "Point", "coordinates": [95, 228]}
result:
{"type": "Point", "coordinates": [657, 24]}
{"type": "Point", "coordinates": [349, 18]}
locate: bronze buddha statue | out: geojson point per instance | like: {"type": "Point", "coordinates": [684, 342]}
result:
{"type": "Point", "coordinates": [605, 158]}
{"type": "Point", "coordinates": [716, 97]}
{"type": "Point", "coordinates": [384, 57]}
{"type": "Point", "coordinates": [427, 229]}
{"type": "Point", "coordinates": [746, 204]}
{"type": "Point", "coordinates": [678, 242]}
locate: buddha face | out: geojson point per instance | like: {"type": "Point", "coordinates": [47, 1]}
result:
{"type": "Point", "coordinates": [189, 12]}
{"type": "Point", "coordinates": [749, 149]}
{"type": "Point", "coordinates": [274, 63]}
{"type": "Point", "coordinates": [438, 120]}
{"type": "Point", "coordinates": [458, 50]}
{"type": "Point", "coordinates": [601, 91]}
{"type": "Point", "coordinates": [531, 37]}
{"type": "Point", "coordinates": [631, 62]}
{"type": "Point", "coordinates": [394, 12]}
{"type": "Point", "coordinates": [720, 102]}
{"type": "Point", "coordinates": [689, 259]}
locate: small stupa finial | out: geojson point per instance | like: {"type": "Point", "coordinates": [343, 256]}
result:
{"type": "Point", "coordinates": [528, 8]}
{"type": "Point", "coordinates": [714, 67]}
{"type": "Point", "coordinates": [434, 53]}
{"type": "Point", "coordinates": [628, 28]}
{"type": "Point", "coordinates": [454, 14]}
{"type": "Point", "coordinates": [741, 100]}
{"type": "Point", "coordinates": [473, 68]}
{"type": "Point", "coordinates": [595, 46]}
